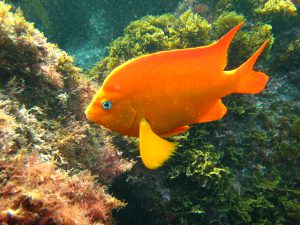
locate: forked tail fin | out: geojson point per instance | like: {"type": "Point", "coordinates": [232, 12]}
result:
{"type": "Point", "coordinates": [248, 80]}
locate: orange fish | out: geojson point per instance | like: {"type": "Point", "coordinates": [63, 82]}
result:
{"type": "Point", "coordinates": [161, 94]}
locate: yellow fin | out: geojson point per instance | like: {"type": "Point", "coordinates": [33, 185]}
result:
{"type": "Point", "coordinates": [216, 112]}
{"type": "Point", "coordinates": [154, 150]}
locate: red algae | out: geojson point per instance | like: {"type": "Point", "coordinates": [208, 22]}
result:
{"type": "Point", "coordinates": [36, 191]}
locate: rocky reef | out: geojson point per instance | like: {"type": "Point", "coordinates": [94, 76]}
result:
{"type": "Point", "coordinates": [242, 169]}
{"type": "Point", "coordinates": [47, 149]}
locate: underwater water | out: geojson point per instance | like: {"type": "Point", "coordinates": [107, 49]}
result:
{"type": "Point", "coordinates": [58, 167]}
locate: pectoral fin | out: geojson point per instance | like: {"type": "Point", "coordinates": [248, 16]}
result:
{"type": "Point", "coordinates": [154, 150]}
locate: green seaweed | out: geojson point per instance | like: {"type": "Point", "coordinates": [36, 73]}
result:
{"type": "Point", "coordinates": [274, 7]}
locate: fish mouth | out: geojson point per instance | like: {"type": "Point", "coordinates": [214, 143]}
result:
{"type": "Point", "coordinates": [89, 115]}
{"type": "Point", "coordinates": [128, 130]}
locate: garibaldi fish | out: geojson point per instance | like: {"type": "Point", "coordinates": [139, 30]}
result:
{"type": "Point", "coordinates": [161, 94]}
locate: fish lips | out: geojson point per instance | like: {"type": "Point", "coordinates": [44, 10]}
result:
{"type": "Point", "coordinates": [90, 116]}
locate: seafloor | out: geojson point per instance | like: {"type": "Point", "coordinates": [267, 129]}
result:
{"type": "Point", "coordinates": [58, 168]}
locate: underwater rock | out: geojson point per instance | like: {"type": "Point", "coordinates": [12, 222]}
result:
{"type": "Point", "coordinates": [44, 134]}
{"type": "Point", "coordinates": [34, 191]}
{"type": "Point", "coordinates": [44, 90]}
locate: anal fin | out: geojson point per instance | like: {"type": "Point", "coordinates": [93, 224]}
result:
{"type": "Point", "coordinates": [154, 150]}
{"type": "Point", "coordinates": [216, 112]}
{"type": "Point", "coordinates": [176, 131]}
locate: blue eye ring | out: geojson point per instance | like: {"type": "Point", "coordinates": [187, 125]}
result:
{"type": "Point", "coordinates": [106, 104]}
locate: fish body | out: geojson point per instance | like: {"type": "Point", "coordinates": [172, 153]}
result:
{"type": "Point", "coordinates": [161, 94]}
{"type": "Point", "coordinates": [170, 92]}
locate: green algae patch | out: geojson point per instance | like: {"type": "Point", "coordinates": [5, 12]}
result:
{"type": "Point", "coordinates": [274, 7]}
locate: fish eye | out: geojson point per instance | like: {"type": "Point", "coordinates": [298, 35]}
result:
{"type": "Point", "coordinates": [106, 104]}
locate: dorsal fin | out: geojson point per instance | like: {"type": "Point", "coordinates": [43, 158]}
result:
{"type": "Point", "coordinates": [220, 47]}
{"type": "Point", "coordinates": [212, 57]}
